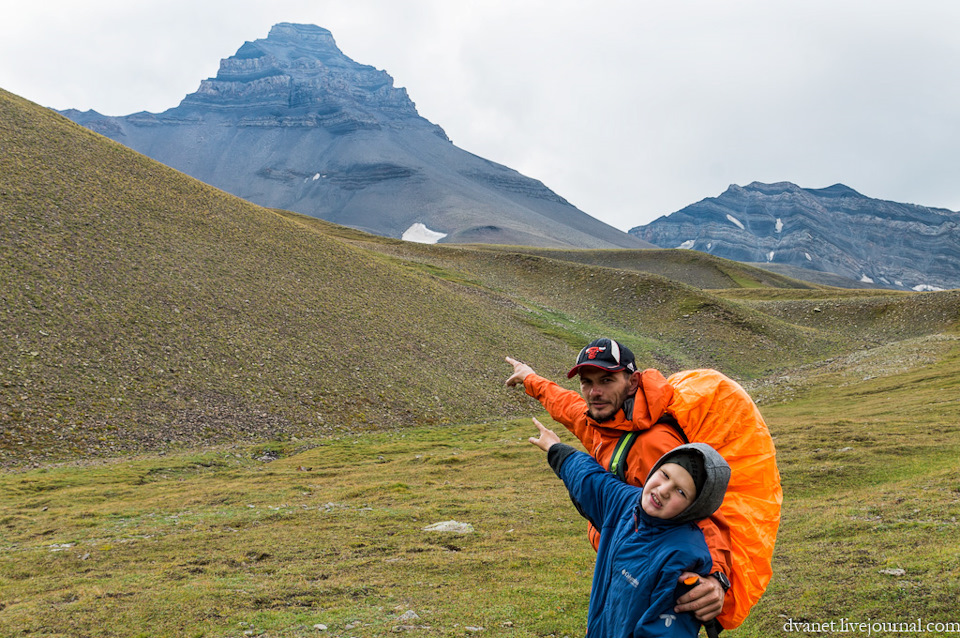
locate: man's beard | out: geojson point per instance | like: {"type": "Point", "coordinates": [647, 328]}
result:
{"type": "Point", "coordinates": [598, 419]}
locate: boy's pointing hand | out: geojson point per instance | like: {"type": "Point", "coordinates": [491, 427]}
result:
{"type": "Point", "coordinates": [546, 439]}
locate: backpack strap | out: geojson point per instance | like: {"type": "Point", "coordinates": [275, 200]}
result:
{"type": "Point", "coordinates": [713, 628]}
{"type": "Point", "coordinates": [618, 461]}
{"type": "Point", "coordinates": [669, 419]}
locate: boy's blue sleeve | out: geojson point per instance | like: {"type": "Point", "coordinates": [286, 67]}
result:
{"type": "Point", "coordinates": [660, 620]}
{"type": "Point", "coordinates": [596, 491]}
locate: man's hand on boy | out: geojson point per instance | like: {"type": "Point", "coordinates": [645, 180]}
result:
{"type": "Point", "coordinates": [546, 439]}
{"type": "Point", "coordinates": [520, 372]}
{"type": "Point", "coordinates": [705, 600]}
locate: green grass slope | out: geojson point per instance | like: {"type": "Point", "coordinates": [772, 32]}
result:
{"type": "Point", "coordinates": [697, 269]}
{"type": "Point", "coordinates": [236, 542]}
{"type": "Point", "coordinates": [747, 331]}
{"type": "Point", "coordinates": [142, 307]}
{"type": "Point", "coordinates": [143, 310]}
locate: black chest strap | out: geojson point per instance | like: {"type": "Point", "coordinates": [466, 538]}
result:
{"type": "Point", "coordinates": [618, 461]}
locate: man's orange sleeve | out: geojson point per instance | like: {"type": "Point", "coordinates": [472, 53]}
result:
{"type": "Point", "coordinates": [716, 531]}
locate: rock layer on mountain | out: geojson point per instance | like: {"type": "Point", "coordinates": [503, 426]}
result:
{"type": "Point", "coordinates": [291, 122]}
{"type": "Point", "coordinates": [833, 230]}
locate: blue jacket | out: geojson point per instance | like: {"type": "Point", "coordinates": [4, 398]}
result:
{"type": "Point", "coordinates": [640, 558]}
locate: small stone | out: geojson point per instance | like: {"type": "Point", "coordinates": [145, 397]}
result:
{"type": "Point", "coordinates": [320, 627]}
{"type": "Point", "coordinates": [450, 526]}
{"type": "Point", "coordinates": [409, 615]}
{"type": "Point", "coordinates": [894, 572]}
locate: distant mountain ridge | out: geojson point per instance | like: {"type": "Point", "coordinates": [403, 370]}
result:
{"type": "Point", "coordinates": [291, 122]}
{"type": "Point", "coordinates": [831, 230]}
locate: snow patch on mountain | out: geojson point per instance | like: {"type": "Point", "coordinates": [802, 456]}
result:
{"type": "Point", "coordinates": [420, 234]}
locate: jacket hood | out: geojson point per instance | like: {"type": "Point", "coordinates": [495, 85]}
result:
{"type": "Point", "coordinates": [714, 488]}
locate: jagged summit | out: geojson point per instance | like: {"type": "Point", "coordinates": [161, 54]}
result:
{"type": "Point", "coordinates": [307, 36]}
{"type": "Point", "coordinates": [299, 68]}
{"type": "Point", "coordinates": [291, 122]}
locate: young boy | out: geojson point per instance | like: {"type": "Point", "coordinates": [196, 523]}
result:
{"type": "Point", "coordinates": [648, 536]}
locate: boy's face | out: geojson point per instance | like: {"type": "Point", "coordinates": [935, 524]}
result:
{"type": "Point", "coordinates": [668, 492]}
{"type": "Point", "coordinates": [605, 391]}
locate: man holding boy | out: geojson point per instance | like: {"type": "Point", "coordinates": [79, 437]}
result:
{"type": "Point", "coordinates": [648, 540]}
{"type": "Point", "coordinates": [607, 406]}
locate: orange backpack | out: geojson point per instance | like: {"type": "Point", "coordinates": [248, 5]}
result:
{"type": "Point", "coordinates": [711, 408]}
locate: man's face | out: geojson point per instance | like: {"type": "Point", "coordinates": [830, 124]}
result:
{"type": "Point", "coordinates": [605, 391]}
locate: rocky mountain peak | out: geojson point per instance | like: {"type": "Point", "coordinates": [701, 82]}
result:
{"type": "Point", "coordinates": [291, 122]}
{"type": "Point", "coordinates": [299, 68]}
{"type": "Point", "coordinates": [832, 230]}
{"type": "Point", "coordinates": [308, 36]}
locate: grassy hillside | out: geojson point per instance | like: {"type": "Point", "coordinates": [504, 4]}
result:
{"type": "Point", "coordinates": [690, 267]}
{"type": "Point", "coordinates": [748, 331]}
{"type": "Point", "coordinates": [143, 309]}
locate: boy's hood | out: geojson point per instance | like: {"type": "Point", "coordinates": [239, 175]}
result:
{"type": "Point", "coordinates": [714, 487]}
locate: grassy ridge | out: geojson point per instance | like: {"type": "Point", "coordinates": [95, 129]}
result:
{"type": "Point", "coordinates": [748, 332]}
{"type": "Point", "coordinates": [696, 269]}
{"type": "Point", "coordinates": [670, 324]}
{"type": "Point", "coordinates": [142, 307]}
{"type": "Point", "coordinates": [143, 310]}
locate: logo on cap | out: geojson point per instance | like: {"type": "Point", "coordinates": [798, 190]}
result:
{"type": "Point", "coordinates": [607, 354]}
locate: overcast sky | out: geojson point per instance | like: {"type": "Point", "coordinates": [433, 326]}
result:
{"type": "Point", "coordinates": [628, 109]}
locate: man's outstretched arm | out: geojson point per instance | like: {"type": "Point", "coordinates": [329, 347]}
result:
{"type": "Point", "coordinates": [565, 406]}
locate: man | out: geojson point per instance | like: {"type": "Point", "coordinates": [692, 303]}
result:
{"type": "Point", "coordinates": [608, 406]}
